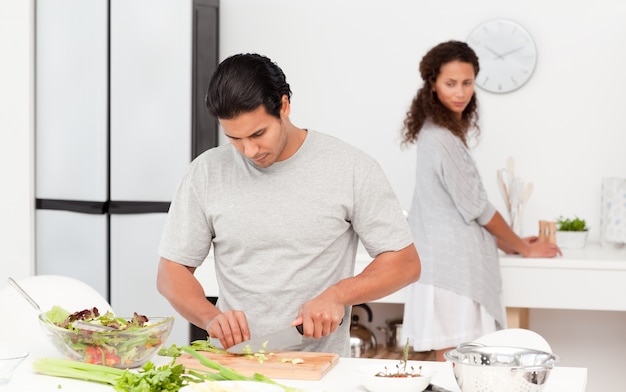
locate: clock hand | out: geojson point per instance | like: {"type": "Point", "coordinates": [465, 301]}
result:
{"type": "Point", "coordinates": [498, 56]}
{"type": "Point", "coordinates": [512, 51]}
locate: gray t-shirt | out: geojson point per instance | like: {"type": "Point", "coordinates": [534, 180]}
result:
{"type": "Point", "coordinates": [285, 233]}
{"type": "Point", "coordinates": [449, 208]}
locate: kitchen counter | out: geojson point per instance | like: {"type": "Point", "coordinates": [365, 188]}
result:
{"type": "Point", "coordinates": [344, 377]}
{"type": "Point", "coordinates": [591, 278]}
{"type": "Point", "coordinates": [585, 279]}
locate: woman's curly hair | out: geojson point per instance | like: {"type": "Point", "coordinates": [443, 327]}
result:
{"type": "Point", "coordinates": [426, 104]}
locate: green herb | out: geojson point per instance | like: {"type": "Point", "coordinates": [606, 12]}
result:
{"type": "Point", "coordinates": [576, 224]}
{"type": "Point", "coordinates": [150, 378]}
{"type": "Point", "coordinates": [401, 368]}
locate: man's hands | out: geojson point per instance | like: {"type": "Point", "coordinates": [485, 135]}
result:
{"type": "Point", "coordinates": [230, 327]}
{"type": "Point", "coordinates": [320, 316]}
{"type": "Point", "coordinates": [317, 316]}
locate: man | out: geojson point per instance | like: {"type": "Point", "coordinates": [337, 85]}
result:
{"type": "Point", "coordinates": [284, 209]}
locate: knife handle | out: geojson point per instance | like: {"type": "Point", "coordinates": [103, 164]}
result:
{"type": "Point", "coordinates": [301, 330]}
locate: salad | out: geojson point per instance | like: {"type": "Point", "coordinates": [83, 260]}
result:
{"type": "Point", "coordinates": [105, 339]}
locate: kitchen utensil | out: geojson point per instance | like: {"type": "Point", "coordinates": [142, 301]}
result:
{"type": "Point", "coordinates": [435, 388]}
{"type": "Point", "coordinates": [417, 383]}
{"type": "Point", "coordinates": [313, 365]}
{"type": "Point", "coordinates": [20, 290]}
{"type": "Point", "coordinates": [510, 166]}
{"type": "Point", "coordinates": [91, 327]}
{"type": "Point", "coordinates": [525, 195]}
{"type": "Point", "coordinates": [278, 340]}
{"type": "Point", "coordinates": [78, 324]}
{"type": "Point", "coordinates": [479, 368]}
{"type": "Point", "coordinates": [504, 191]}
{"type": "Point", "coordinates": [528, 190]}
{"type": "Point", "coordinates": [362, 341]}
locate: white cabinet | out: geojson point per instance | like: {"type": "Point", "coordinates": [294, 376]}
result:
{"type": "Point", "coordinates": [74, 245]}
{"type": "Point", "coordinates": [71, 140]}
{"type": "Point", "coordinates": [151, 82]}
{"type": "Point", "coordinates": [117, 124]}
{"type": "Point", "coordinates": [71, 100]}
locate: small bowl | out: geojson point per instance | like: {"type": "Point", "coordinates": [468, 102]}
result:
{"type": "Point", "coordinates": [374, 383]}
{"type": "Point", "coordinates": [9, 360]}
{"type": "Point", "coordinates": [120, 349]}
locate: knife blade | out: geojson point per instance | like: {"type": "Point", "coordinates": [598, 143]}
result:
{"type": "Point", "coordinates": [278, 340]}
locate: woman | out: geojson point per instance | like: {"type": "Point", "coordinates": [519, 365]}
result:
{"type": "Point", "coordinates": [456, 230]}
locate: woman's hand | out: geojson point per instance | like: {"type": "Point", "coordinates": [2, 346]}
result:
{"type": "Point", "coordinates": [542, 249]}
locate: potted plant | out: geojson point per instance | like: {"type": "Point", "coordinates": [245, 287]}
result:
{"type": "Point", "coordinates": [571, 233]}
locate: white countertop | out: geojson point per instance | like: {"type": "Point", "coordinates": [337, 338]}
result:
{"type": "Point", "coordinates": [586, 279]}
{"type": "Point", "coordinates": [591, 278]}
{"type": "Point", "coordinates": [344, 377]}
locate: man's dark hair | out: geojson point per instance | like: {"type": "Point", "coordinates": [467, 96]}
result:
{"type": "Point", "coordinates": [242, 83]}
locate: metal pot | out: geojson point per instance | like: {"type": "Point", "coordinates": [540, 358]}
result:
{"type": "Point", "coordinates": [362, 340]}
{"type": "Point", "coordinates": [393, 335]}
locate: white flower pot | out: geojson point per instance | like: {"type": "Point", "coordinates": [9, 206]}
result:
{"type": "Point", "coordinates": [571, 239]}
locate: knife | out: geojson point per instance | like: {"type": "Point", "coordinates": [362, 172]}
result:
{"type": "Point", "coordinates": [435, 388]}
{"type": "Point", "coordinates": [278, 340]}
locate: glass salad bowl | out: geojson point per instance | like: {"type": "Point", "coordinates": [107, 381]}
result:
{"type": "Point", "coordinates": [119, 342]}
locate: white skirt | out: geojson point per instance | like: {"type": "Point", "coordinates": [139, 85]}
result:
{"type": "Point", "coordinates": [436, 319]}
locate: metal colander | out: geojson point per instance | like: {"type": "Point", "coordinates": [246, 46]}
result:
{"type": "Point", "coordinates": [480, 368]}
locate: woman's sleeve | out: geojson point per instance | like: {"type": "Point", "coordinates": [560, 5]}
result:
{"type": "Point", "coordinates": [461, 179]}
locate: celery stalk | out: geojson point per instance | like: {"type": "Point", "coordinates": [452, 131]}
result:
{"type": "Point", "coordinates": [77, 370]}
{"type": "Point", "coordinates": [226, 373]}
{"type": "Point", "coordinates": [149, 378]}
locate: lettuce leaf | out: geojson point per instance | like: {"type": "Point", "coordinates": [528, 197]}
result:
{"type": "Point", "coordinates": [57, 314]}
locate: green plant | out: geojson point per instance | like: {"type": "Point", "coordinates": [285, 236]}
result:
{"type": "Point", "coordinates": [576, 224]}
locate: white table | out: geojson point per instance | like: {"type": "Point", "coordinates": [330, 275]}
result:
{"type": "Point", "coordinates": [344, 377]}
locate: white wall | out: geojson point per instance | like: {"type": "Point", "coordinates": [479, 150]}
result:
{"type": "Point", "coordinates": [352, 66]}
{"type": "Point", "coordinates": [16, 132]}
{"type": "Point", "coordinates": [353, 71]}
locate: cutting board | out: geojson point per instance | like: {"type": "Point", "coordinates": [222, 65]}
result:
{"type": "Point", "coordinates": [314, 366]}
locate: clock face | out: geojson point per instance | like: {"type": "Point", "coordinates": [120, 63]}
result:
{"type": "Point", "coordinates": [506, 53]}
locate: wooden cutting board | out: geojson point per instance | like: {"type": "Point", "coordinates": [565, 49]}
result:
{"type": "Point", "coordinates": [314, 365]}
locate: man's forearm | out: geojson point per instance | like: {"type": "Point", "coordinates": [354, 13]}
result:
{"type": "Point", "coordinates": [386, 274]}
{"type": "Point", "coordinates": [183, 291]}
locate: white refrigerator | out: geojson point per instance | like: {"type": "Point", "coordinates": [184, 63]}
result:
{"type": "Point", "coordinates": [119, 115]}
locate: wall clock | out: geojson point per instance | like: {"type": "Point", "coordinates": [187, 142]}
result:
{"type": "Point", "coordinates": [507, 55]}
